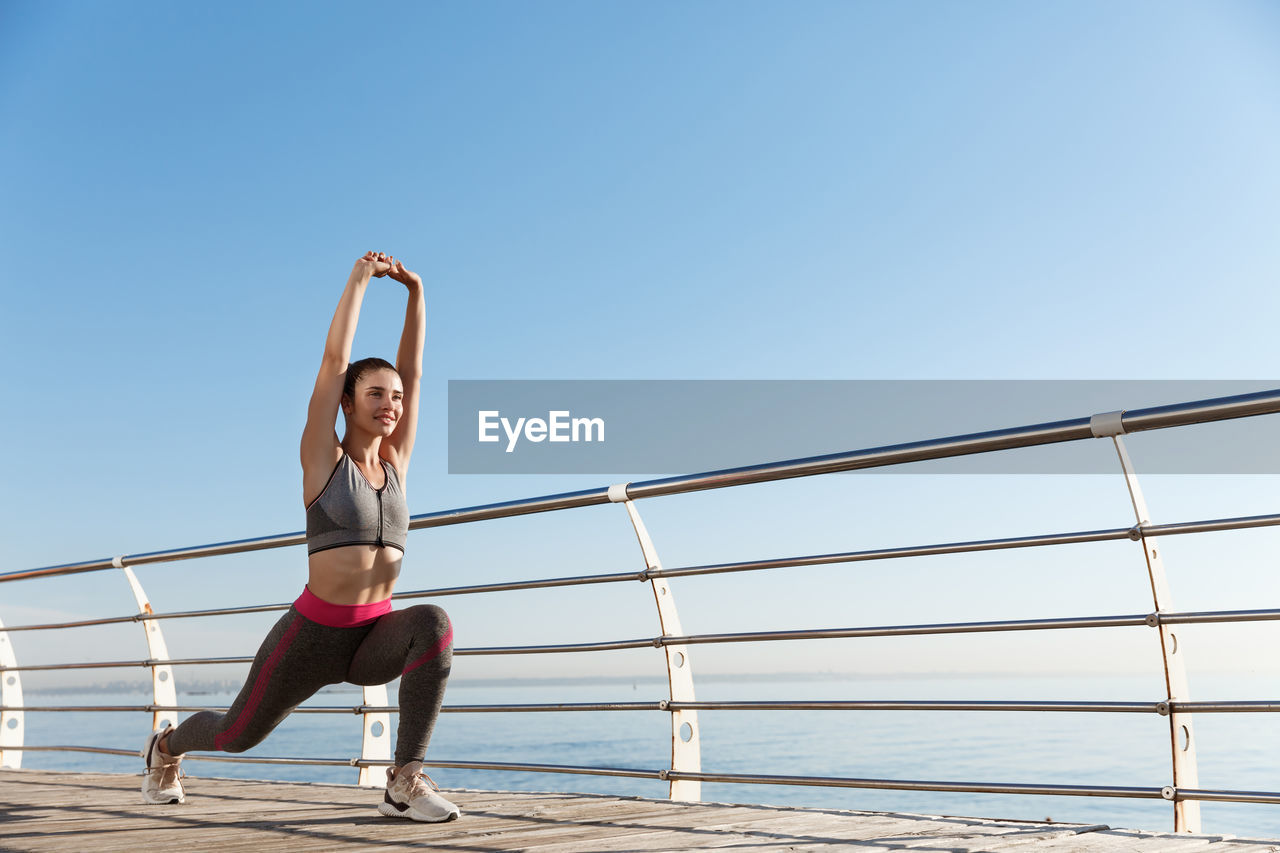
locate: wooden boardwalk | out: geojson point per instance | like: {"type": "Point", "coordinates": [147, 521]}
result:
{"type": "Point", "coordinates": [43, 810]}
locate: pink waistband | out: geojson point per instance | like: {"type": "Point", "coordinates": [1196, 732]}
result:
{"type": "Point", "coordinates": [339, 615]}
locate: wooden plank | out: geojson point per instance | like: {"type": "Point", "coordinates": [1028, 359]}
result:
{"type": "Point", "coordinates": [802, 828]}
{"type": "Point", "coordinates": [47, 811]}
{"type": "Point", "coordinates": [628, 829]}
{"type": "Point", "coordinates": [577, 822]}
{"type": "Point", "coordinates": [1126, 840]}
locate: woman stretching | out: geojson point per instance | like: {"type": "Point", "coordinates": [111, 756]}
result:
{"type": "Point", "coordinates": [342, 627]}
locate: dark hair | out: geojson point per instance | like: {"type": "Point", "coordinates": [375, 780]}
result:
{"type": "Point", "coordinates": [356, 369]}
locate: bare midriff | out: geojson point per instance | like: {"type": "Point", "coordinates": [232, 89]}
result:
{"type": "Point", "coordinates": [354, 574]}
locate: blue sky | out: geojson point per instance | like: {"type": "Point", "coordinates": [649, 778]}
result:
{"type": "Point", "coordinates": [623, 190]}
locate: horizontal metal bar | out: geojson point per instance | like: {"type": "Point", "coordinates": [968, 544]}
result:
{"type": "Point", "coordinates": [876, 457]}
{"type": "Point", "coordinates": [79, 623]}
{"type": "Point", "coordinates": [1161, 707]}
{"type": "Point", "coordinates": [916, 705]}
{"type": "Point", "coordinates": [1158, 707]}
{"type": "Point", "coordinates": [1202, 411]}
{"type": "Point", "coordinates": [1212, 616]}
{"type": "Point", "coordinates": [1247, 706]}
{"type": "Point", "coordinates": [508, 509]}
{"type": "Point", "coordinates": [899, 552]}
{"type": "Point", "coordinates": [537, 768]}
{"type": "Point", "coordinates": [1110, 534]}
{"type": "Point", "coordinates": [1211, 526]}
{"type": "Point", "coordinates": [1105, 535]}
{"type": "Point", "coordinates": [914, 785]}
{"type": "Point", "coordinates": [820, 634]}
{"type": "Point", "coordinates": [110, 709]}
{"type": "Point", "coordinates": [146, 617]}
{"type": "Point", "coordinates": [356, 762]}
{"type": "Point", "coordinates": [195, 756]}
{"type": "Point", "coordinates": [96, 750]}
{"type": "Point", "coordinates": [1124, 621]}
{"type": "Point", "coordinates": [122, 663]}
{"type": "Point", "coordinates": [314, 762]}
{"type": "Point", "coordinates": [540, 707]}
{"type": "Point", "coordinates": [656, 705]}
{"type": "Point", "coordinates": [1136, 420]}
{"type": "Point", "coordinates": [823, 633]}
{"type": "Point", "coordinates": [1131, 620]}
{"type": "Point", "coordinates": [1156, 417]}
{"type": "Point", "coordinates": [1227, 796]}
{"type": "Point", "coordinates": [95, 709]}
{"type": "Point", "coordinates": [1223, 796]}
{"type": "Point", "coordinates": [579, 580]}
{"type": "Point", "coordinates": [562, 647]}
{"type": "Point", "coordinates": [53, 571]}
{"type": "Point", "coordinates": [221, 611]}
{"type": "Point", "coordinates": [912, 630]}
{"type": "Point", "coordinates": [236, 546]}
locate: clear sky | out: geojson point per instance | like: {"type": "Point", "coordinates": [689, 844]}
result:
{"type": "Point", "coordinates": [719, 190]}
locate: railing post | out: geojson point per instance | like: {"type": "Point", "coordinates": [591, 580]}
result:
{"type": "Point", "coordinates": [686, 748]}
{"type": "Point", "coordinates": [375, 745]}
{"type": "Point", "coordinates": [1182, 743]}
{"type": "Point", "coordinates": [163, 690]}
{"type": "Point", "coordinates": [11, 722]}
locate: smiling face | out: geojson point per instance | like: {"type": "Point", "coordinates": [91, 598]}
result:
{"type": "Point", "coordinates": [376, 404]}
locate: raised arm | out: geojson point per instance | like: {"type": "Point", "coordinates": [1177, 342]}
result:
{"type": "Point", "coordinates": [399, 445]}
{"type": "Point", "coordinates": [320, 450]}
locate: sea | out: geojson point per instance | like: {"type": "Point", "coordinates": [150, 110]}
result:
{"type": "Point", "coordinates": [1236, 751]}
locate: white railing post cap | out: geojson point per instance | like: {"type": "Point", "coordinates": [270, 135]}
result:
{"type": "Point", "coordinates": [618, 492]}
{"type": "Point", "coordinates": [1107, 424]}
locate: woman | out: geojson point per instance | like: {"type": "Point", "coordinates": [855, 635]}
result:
{"type": "Point", "coordinates": [342, 627]}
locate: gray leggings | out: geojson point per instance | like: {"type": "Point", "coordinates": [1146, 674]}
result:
{"type": "Point", "coordinates": [299, 657]}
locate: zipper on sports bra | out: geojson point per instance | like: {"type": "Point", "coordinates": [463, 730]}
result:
{"type": "Point", "coordinates": [378, 492]}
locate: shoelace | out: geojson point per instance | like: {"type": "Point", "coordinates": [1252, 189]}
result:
{"type": "Point", "coordinates": [418, 785]}
{"type": "Point", "coordinates": [170, 772]}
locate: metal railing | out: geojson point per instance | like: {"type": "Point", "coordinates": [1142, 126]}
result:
{"type": "Point", "coordinates": [684, 772]}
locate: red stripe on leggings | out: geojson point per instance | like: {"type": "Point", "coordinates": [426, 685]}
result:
{"type": "Point", "coordinates": [434, 653]}
{"type": "Point", "coordinates": [259, 687]}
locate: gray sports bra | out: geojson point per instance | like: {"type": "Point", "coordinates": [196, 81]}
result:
{"type": "Point", "coordinates": [350, 511]}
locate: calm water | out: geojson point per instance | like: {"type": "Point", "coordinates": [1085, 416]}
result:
{"type": "Point", "coordinates": [1236, 751]}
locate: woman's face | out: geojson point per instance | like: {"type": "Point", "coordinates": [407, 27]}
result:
{"type": "Point", "coordinates": [378, 403]}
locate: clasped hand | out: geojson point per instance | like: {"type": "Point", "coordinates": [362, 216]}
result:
{"type": "Point", "coordinates": [381, 264]}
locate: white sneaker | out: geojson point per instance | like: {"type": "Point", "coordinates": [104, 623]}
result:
{"type": "Point", "coordinates": [412, 794]}
{"type": "Point", "coordinates": [161, 783]}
